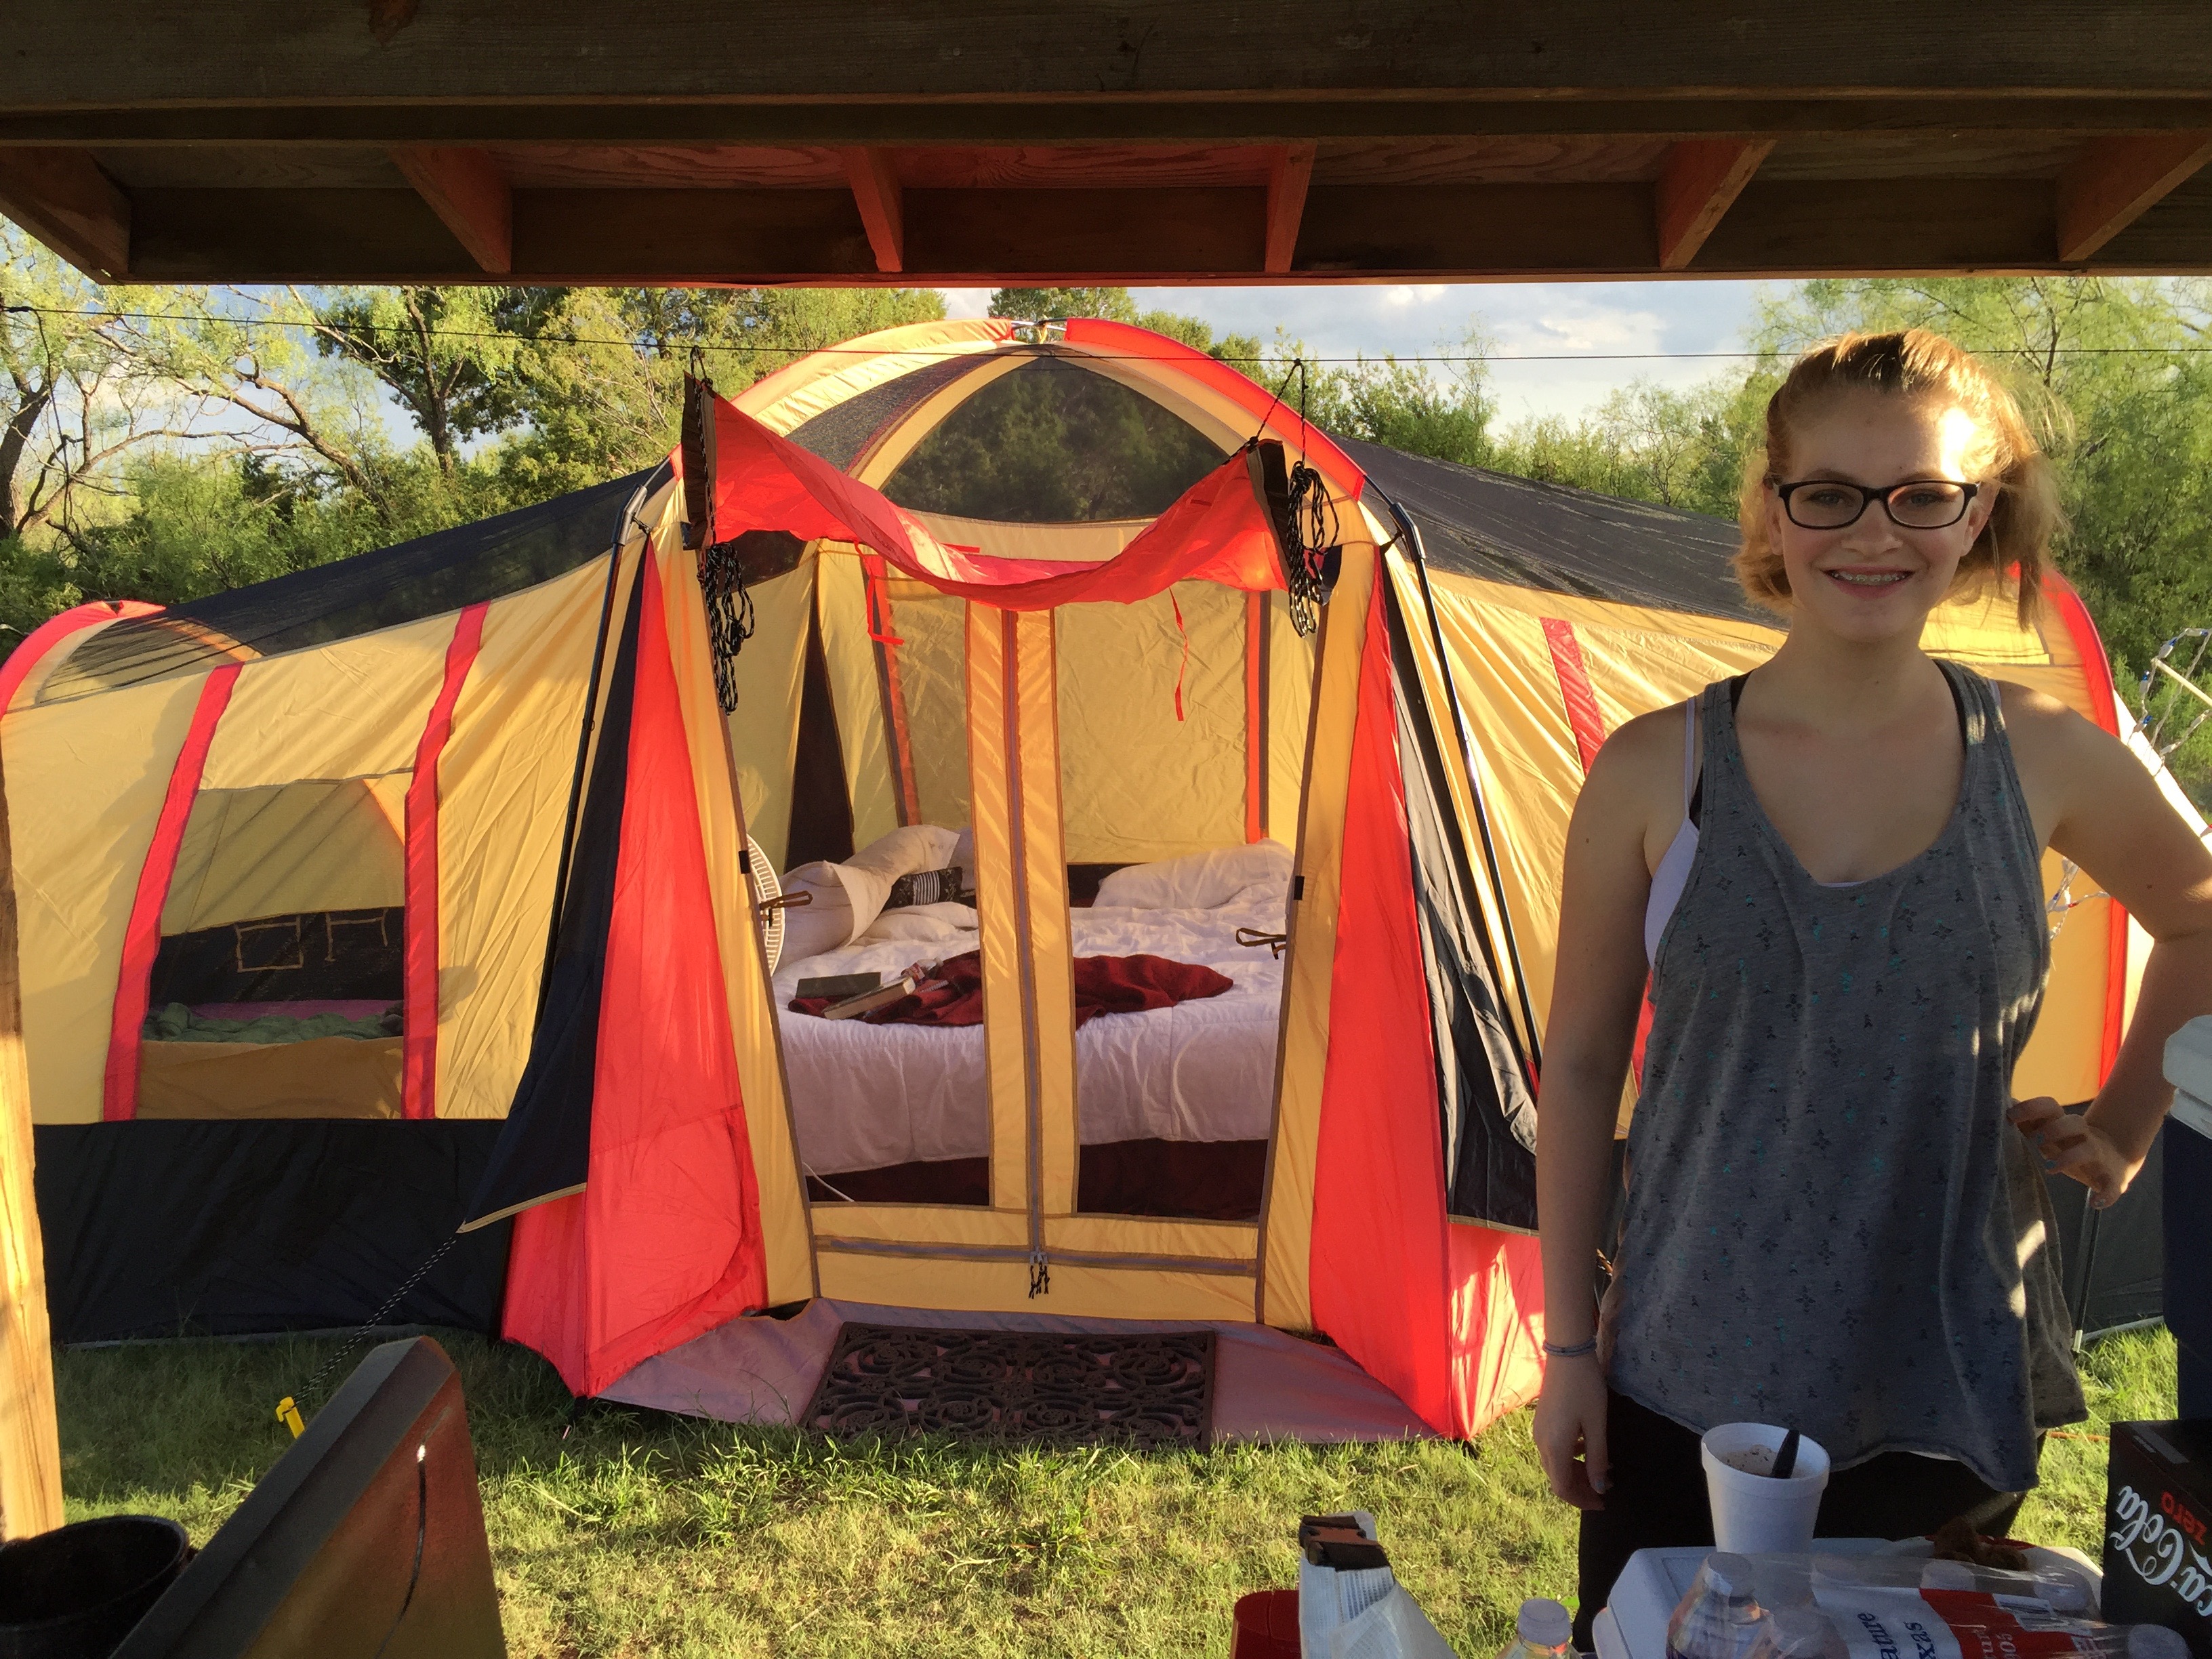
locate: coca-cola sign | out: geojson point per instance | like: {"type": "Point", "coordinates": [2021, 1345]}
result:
{"type": "Point", "coordinates": [2158, 1557]}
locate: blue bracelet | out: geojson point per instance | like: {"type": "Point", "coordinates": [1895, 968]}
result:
{"type": "Point", "coordinates": [1574, 1352]}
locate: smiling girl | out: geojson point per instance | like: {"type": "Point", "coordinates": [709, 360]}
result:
{"type": "Point", "coordinates": [1836, 1216]}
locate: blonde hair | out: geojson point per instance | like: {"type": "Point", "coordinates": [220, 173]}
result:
{"type": "Point", "coordinates": [2014, 545]}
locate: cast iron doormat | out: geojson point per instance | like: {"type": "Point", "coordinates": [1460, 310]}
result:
{"type": "Point", "coordinates": [1018, 1387]}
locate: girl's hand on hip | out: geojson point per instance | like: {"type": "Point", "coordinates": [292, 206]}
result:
{"type": "Point", "coordinates": [2071, 1145]}
{"type": "Point", "coordinates": [1570, 1430]}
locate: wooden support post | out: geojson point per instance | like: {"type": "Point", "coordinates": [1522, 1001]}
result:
{"type": "Point", "coordinates": [2114, 180]}
{"type": "Point", "coordinates": [30, 1441]}
{"type": "Point", "coordinates": [1698, 183]}
{"type": "Point", "coordinates": [466, 189]}
{"type": "Point", "coordinates": [62, 198]}
{"type": "Point", "coordinates": [1290, 172]}
{"type": "Point", "coordinates": [882, 201]}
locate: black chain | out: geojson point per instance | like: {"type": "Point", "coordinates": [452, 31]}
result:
{"type": "Point", "coordinates": [729, 616]}
{"type": "Point", "coordinates": [315, 1382]}
{"type": "Point", "coordinates": [1311, 575]}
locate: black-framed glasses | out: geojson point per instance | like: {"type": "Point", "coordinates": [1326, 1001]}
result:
{"type": "Point", "coordinates": [1916, 504]}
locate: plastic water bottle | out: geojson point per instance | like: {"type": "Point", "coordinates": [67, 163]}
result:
{"type": "Point", "coordinates": [1798, 1633]}
{"type": "Point", "coordinates": [1544, 1631]}
{"type": "Point", "coordinates": [1720, 1618]}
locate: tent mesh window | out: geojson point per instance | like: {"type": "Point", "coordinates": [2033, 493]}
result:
{"type": "Point", "coordinates": [1502, 528]}
{"type": "Point", "coordinates": [1054, 442]}
{"type": "Point", "coordinates": [842, 436]}
{"type": "Point", "coordinates": [426, 577]}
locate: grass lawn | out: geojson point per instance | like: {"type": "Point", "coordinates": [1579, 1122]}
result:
{"type": "Point", "coordinates": [636, 1533]}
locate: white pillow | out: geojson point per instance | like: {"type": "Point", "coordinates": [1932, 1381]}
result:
{"type": "Point", "coordinates": [1199, 881]}
{"type": "Point", "coordinates": [923, 923]}
{"type": "Point", "coordinates": [824, 923]}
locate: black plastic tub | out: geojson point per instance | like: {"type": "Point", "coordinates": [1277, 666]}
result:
{"type": "Point", "coordinates": [75, 1593]}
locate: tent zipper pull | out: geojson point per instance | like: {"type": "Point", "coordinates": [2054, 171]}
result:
{"type": "Point", "coordinates": [288, 1413]}
{"type": "Point", "coordinates": [1040, 1275]}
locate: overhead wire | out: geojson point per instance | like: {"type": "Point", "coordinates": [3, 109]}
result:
{"type": "Point", "coordinates": [669, 346]}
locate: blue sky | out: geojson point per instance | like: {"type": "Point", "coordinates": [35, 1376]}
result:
{"type": "Point", "coordinates": [1557, 320]}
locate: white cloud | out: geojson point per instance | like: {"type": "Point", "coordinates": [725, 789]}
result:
{"type": "Point", "coordinates": [1623, 330]}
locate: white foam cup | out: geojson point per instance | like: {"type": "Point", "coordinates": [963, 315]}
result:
{"type": "Point", "coordinates": [1754, 1514]}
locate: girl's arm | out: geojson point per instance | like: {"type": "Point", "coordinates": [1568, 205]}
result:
{"type": "Point", "coordinates": [2112, 821]}
{"type": "Point", "coordinates": [1597, 984]}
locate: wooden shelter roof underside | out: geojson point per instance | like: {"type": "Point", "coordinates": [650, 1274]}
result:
{"type": "Point", "coordinates": [1004, 141]}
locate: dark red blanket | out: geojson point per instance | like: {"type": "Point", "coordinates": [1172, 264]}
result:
{"type": "Point", "coordinates": [1103, 985]}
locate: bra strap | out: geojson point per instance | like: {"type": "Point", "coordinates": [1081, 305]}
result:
{"type": "Point", "coordinates": [1689, 753]}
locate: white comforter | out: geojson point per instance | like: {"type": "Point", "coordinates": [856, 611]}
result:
{"type": "Point", "coordinates": [863, 1097]}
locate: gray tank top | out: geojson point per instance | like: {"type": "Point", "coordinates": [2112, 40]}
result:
{"type": "Point", "coordinates": [1830, 1223]}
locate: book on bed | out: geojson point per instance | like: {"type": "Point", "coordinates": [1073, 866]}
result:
{"type": "Point", "coordinates": [838, 986]}
{"type": "Point", "coordinates": [868, 1002]}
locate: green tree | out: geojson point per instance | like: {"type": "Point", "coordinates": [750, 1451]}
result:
{"type": "Point", "coordinates": [454, 357]}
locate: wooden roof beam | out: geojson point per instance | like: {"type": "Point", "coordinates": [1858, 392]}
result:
{"type": "Point", "coordinates": [470, 194]}
{"type": "Point", "coordinates": [1698, 183]}
{"type": "Point", "coordinates": [62, 198]}
{"type": "Point", "coordinates": [2116, 180]}
{"type": "Point", "coordinates": [1290, 172]}
{"type": "Point", "coordinates": [882, 202]}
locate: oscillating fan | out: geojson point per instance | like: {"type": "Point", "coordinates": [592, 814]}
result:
{"type": "Point", "coordinates": [767, 901]}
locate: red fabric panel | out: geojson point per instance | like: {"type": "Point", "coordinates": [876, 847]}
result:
{"type": "Point", "coordinates": [664, 1242]}
{"type": "Point", "coordinates": [2104, 701]}
{"type": "Point", "coordinates": [418, 1076]}
{"type": "Point", "coordinates": [1497, 1324]}
{"type": "Point", "coordinates": [1575, 689]}
{"type": "Point", "coordinates": [1103, 985]}
{"type": "Point", "coordinates": [1588, 725]}
{"type": "Point", "coordinates": [47, 634]}
{"type": "Point", "coordinates": [1216, 532]}
{"type": "Point", "coordinates": [1125, 340]}
{"type": "Point", "coordinates": [141, 936]}
{"type": "Point", "coordinates": [1379, 1264]}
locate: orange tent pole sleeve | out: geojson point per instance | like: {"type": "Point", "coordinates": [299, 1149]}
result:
{"type": "Point", "coordinates": [2104, 704]}
{"type": "Point", "coordinates": [142, 938]}
{"type": "Point", "coordinates": [419, 1003]}
{"type": "Point", "coordinates": [1255, 717]}
{"type": "Point", "coordinates": [39, 642]}
{"type": "Point", "coordinates": [1574, 689]}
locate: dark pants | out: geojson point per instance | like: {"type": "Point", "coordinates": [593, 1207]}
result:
{"type": "Point", "coordinates": [1656, 1498]}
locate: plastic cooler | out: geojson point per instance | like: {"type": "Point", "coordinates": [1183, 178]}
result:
{"type": "Point", "coordinates": [2189, 1213]}
{"type": "Point", "coordinates": [1632, 1624]}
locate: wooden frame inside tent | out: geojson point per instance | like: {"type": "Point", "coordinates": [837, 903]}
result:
{"type": "Point", "coordinates": [501, 789]}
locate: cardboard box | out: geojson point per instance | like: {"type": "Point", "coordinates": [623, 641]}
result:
{"type": "Point", "coordinates": [2158, 1529]}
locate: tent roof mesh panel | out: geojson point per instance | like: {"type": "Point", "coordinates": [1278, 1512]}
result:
{"type": "Point", "coordinates": [841, 435]}
{"type": "Point", "coordinates": [1503, 529]}
{"type": "Point", "coordinates": [425, 577]}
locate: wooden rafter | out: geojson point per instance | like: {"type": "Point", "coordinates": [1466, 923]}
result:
{"type": "Point", "coordinates": [877, 193]}
{"type": "Point", "coordinates": [62, 198]}
{"type": "Point", "coordinates": [1290, 172]}
{"type": "Point", "coordinates": [2116, 179]}
{"type": "Point", "coordinates": [1698, 185]}
{"type": "Point", "coordinates": [470, 194]}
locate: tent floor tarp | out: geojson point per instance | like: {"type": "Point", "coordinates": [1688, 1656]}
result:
{"type": "Point", "coordinates": [1267, 1385]}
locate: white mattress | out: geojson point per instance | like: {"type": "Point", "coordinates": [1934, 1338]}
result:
{"type": "Point", "coordinates": [863, 1097]}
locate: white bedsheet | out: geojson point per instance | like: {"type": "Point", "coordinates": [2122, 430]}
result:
{"type": "Point", "coordinates": [863, 1097]}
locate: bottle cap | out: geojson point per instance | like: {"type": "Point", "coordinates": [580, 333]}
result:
{"type": "Point", "coordinates": [2155, 1642]}
{"type": "Point", "coordinates": [1546, 1624]}
{"type": "Point", "coordinates": [1730, 1575]}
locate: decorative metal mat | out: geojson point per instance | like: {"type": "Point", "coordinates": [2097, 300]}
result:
{"type": "Point", "coordinates": [1018, 1387]}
